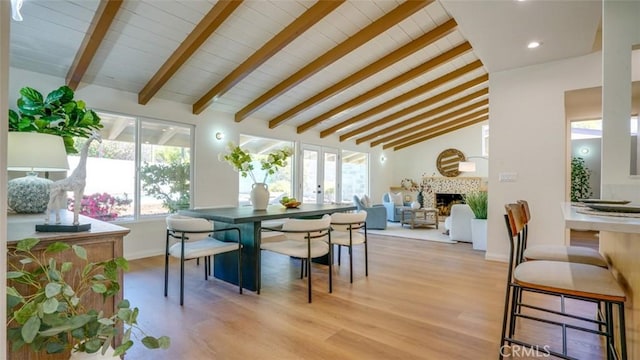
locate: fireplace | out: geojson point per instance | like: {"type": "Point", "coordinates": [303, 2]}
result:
{"type": "Point", "coordinates": [445, 201]}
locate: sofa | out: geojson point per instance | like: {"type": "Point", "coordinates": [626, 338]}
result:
{"type": "Point", "coordinates": [459, 223]}
{"type": "Point", "coordinates": [394, 208]}
{"type": "Point", "coordinates": [376, 214]}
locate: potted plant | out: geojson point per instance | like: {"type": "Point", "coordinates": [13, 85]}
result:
{"type": "Point", "coordinates": [45, 303]}
{"type": "Point", "coordinates": [57, 114]}
{"type": "Point", "coordinates": [580, 174]}
{"type": "Point", "coordinates": [242, 162]}
{"type": "Point", "coordinates": [478, 201]}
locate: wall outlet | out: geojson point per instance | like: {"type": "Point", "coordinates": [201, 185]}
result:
{"type": "Point", "coordinates": [508, 177]}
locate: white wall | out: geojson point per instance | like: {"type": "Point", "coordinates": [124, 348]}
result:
{"type": "Point", "coordinates": [529, 137]}
{"type": "Point", "coordinates": [215, 183]}
{"type": "Point", "coordinates": [4, 89]}
{"type": "Point", "coordinates": [414, 161]}
{"type": "Point", "coordinates": [621, 30]}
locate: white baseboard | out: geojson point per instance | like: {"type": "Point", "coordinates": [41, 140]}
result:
{"type": "Point", "coordinates": [496, 257]}
{"type": "Point", "coordinates": [143, 254]}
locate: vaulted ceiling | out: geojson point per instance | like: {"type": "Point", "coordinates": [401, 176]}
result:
{"type": "Point", "coordinates": [385, 73]}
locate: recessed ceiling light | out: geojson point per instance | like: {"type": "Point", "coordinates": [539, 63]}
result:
{"type": "Point", "coordinates": [534, 44]}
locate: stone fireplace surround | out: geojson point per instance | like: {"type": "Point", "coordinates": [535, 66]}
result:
{"type": "Point", "coordinates": [446, 185]}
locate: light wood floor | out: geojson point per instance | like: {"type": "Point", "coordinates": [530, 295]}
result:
{"type": "Point", "coordinates": [421, 300]}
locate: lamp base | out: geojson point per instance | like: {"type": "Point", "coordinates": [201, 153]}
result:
{"type": "Point", "coordinates": [63, 228]}
{"type": "Point", "coordinates": [29, 194]}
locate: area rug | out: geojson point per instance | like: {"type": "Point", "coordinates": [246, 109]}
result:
{"type": "Point", "coordinates": [419, 233]}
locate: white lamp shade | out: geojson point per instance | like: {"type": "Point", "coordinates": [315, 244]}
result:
{"type": "Point", "coordinates": [466, 166]}
{"type": "Point", "coordinates": [30, 151]}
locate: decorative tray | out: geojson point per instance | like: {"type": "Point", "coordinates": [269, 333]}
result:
{"type": "Point", "coordinates": [615, 208]}
{"type": "Point", "coordinates": [603, 201]}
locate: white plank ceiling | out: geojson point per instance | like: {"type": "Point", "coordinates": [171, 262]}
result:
{"type": "Point", "coordinates": [145, 33]}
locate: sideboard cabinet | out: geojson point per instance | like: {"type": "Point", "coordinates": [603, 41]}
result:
{"type": "Point", "coordinates": [102, 242]}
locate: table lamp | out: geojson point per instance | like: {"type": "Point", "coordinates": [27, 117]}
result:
{"type": "Point", "coordinates": [33, 152]}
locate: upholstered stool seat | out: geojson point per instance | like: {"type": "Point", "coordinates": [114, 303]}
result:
{"type": "Point", "coordinates": [574, 254]}
{"type": "Point", "coordinates": [578, 279]}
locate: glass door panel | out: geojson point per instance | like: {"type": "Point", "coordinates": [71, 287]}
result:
{"type": "Point", "coordinates": [310, 182]}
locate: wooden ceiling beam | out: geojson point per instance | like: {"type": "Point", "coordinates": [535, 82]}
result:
{"type": "Point", "coordinates": [404, 97]}
{"type": "Point", "coordinates": [387, 86]}
{"type": "Point", "coordinates": [209, 23]}
{"type": "Point", "coordinates": [371, 69]}
{"type": "Point", "coordinates": [418, 106]}
{"type": "Point", "coordinates": [440, 133]}
{"type": "Point", "coordinates": [436, 121]}
{"type": "Point", "coordinates": [374, 29]}
{"type": "Point", "coordinates": [301, 24]}
{"type": "Point", "coordinates": [430, 129]}
{"type": "Point", "coordinates": [102, 20]}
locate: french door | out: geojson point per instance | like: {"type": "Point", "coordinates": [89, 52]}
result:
{"type": "Point", "coordinates": [319, 173]}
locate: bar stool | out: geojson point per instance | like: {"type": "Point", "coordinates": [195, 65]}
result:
{"type": "Point", "coordinates": [579, 281]}
{"type": "Point", "coordinates": [574, 254]}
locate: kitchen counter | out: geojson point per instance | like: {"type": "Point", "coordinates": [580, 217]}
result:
{"type": "Point", "coordinates": [620, 245]}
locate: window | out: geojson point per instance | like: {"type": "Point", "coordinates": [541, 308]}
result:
{"type": "Point", "coordinates": [280, 184]}
{"type": "Point", "coordinates": [485, 140]}
{"type": "Point", "coordinates": [164, 155]}
{"type": "Point", "coordinates": [355, 174]}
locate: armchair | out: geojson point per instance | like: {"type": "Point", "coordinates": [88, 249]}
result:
{"type": "Point", "coordinates": [394, 211]}
{"type": "Point", "coordinates": [376, 214]}
{"type": "Point", "coordinates": [459, 223]}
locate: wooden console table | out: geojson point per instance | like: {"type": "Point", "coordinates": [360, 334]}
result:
{"type": "Point", "coordinates": [102, 242]}
{"type": "Point", "coordinates": [419, 217]}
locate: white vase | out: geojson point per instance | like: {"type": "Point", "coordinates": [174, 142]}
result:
{"type": "Point", "coordinates": [415, 205]}
{"type": "Point", "coordinates": [259, 196]}
{"type": "Point", "coordinates": [479, 234]}
{"type": "Point", "coordinates": [93, 356]}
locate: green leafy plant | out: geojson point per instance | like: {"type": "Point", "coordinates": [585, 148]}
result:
{"type": "Point", "coordinates": [478, 201]}
{"type": "Point", "coordinates": [45, 307]}
{"type": "Point", "coordinates": [580, 174]}
{"type": "Point", "coordinates": [167, 182]}
{"type": "Point", "coordinates": [242, 161]}
{"type": "Point", "coordinates": [57, 114]}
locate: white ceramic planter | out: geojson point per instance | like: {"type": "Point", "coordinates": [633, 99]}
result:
{"type": "Point", "coordinates": [479, 234]}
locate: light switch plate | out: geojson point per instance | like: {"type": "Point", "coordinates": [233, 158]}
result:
{"type": "Point", "coordinates": [508, 177]}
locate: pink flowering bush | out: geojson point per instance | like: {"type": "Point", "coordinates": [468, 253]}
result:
{"type": "Point", "coordinates": [101, 206]}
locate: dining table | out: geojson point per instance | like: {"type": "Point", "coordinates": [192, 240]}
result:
{"type": "Point", "coordinates": [249, 221]}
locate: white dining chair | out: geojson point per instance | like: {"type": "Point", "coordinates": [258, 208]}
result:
{"type": "Point", "coordinates": [194, 239]}
{"type": "Point", "coordinates": [349, 229]}
{"type": "Point", "coordinates": [306, 240]}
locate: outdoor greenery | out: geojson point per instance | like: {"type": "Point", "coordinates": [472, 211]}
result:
{"type": "Point", "coordinates": [580, 174]}
{"type": "Point", "coordinates": [102, 206]}
{"type": "Point", "coordinates": [45, 302]}
{"type": "Point", "coordinates": [57, 114]}
{"type": "Point", "coordinates": [168, 182]}
{"type": "Point", "coordinates": [478, 201]}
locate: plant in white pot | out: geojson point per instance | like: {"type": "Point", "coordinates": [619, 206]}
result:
{"type": "Point", "coordinates": [242, 161]}
{"type": "Point", "coordinates": [478, 201]}
{"type": "Point", "coordinates": [45, 307]}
